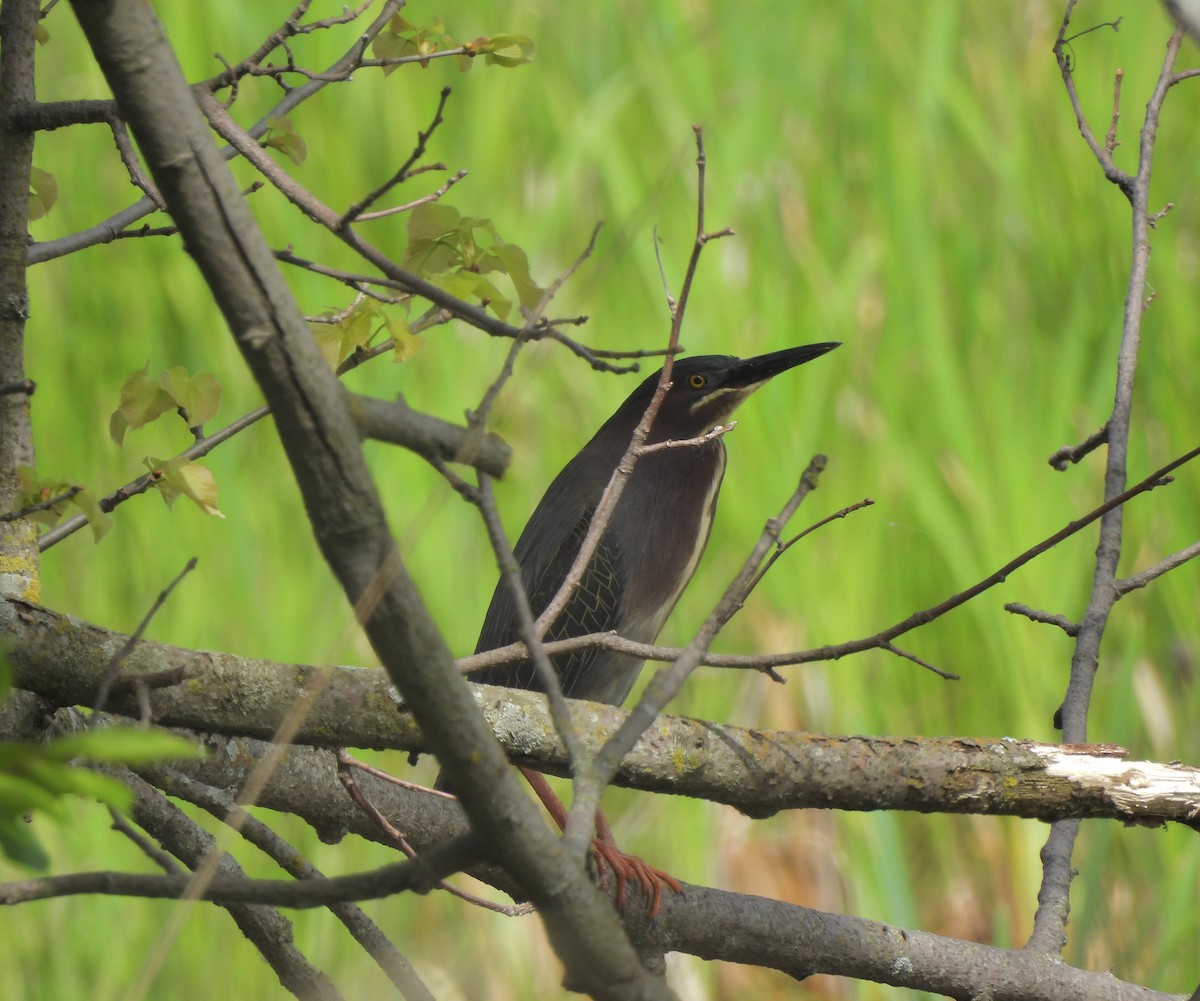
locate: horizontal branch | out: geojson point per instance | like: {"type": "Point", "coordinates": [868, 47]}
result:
{"type": "Point", "coordinates": [801, 942]}
{"type": "Point", "coordinates": [702, 921]}
{"type": "Point", "coordinates": [396, 422]}
{"type": "Point", "coordinates": [759, 772]}
{"type": "Point", "coordinates": [420, 875]}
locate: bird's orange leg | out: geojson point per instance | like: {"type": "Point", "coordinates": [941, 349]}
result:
{"type": "Point", "coordinates": [607, 854]}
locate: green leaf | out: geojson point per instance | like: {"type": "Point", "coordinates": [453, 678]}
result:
{"type": "Point", "coordinates": [329, 340]}
{"type": "Point", "coordinates": [125, 744]}
{"type": "Point", "coordinates": [18, 844]}
{"type": "Point", "coordinates": [405, 342]}
{"type": "Point", "coordinates": [43, 193]}
{"type": "Point", "coordinates": [402, 39]}
{"type": "Point", "coordinates": [432, 221]}
{"type": "Point", "coordinates": [504, 50]}
{"type": "Point", "coordinates": [64, 780]}
{"type": "Point", "coordinates": [23, 793]}
{"type": "Point", "coordinates": [179, 476]}
{"type": "Point", "coordinates": [490, 297]}
{"type": "Point", "coordinates": [100, 523]}
{"type": "Point", "coordinates": [282, 135]}
{"type": "Point", "coordinates": [142, 401]}
{"type": "Point", "coordinates": [198, 396]}
{"type": "Point", "coordinates": [34, 490]}
{"type": "Point", "coordinates": [516, 266]}
{"type": "Point", "coordinates": [357, 328]}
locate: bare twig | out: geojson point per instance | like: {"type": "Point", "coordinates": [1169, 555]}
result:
{"type": "Point", "coordinates": [433, 196]}
{"type": "Point", "coordinates": [1135, 581]}
{"type": "Point", "coordinates": [405, 171]}
{"type": "Point", "coordinates": [1063, 623]}
{"type": "Point", "coordinates": [345, 763]}
{"type": "Point", "coordinates": [783, 547]}
{"type": "Point", "coordinates": [1073, 453]}
{"type": "Point", "coordinates": [118, 658]}
{"type": "Point", "coordinates": [1102, 154]}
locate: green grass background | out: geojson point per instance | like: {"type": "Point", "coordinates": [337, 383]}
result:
{"type": "Point", "coordinates": [906, 178]}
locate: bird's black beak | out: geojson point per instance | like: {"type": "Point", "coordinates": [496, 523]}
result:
{"type": "Point", "coordinates": [751, 373]}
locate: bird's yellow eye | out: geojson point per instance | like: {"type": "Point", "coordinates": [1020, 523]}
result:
{"type": "Point", "coordinates": [697, 381]}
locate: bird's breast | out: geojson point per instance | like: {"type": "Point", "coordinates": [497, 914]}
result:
{"type": "Point", "coordinates": [666, 515]}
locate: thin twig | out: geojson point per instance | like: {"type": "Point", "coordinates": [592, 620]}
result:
{"type": "Point", "coordinates": [1034, 615]}
{"type": "Point", "coordinates": [783, 547]}
{"type": "Point", "coordinates": [114, 665]}
{"type": "Point", "coordinates": [345, 763]}
{"type": "Point", "coordinates": [433, 196]}
{"type": "Point", "coordinates": [1073, 453]}
{"type": "Point", "coordinates": [1103, 155]}
{"type": "Point", "coordinates": [405, 171]}
{"type": "Point", "coordinates": [1137, 580]}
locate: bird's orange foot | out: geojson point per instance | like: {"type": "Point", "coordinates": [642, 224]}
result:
{"type": "Point", "coordinates": [629, 867]}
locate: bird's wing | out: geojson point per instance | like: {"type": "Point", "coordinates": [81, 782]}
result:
{"type": "Point", "coordinates": [594, 607]}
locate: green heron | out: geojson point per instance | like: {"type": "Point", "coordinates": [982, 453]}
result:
{"type": "Point", "coordinates": [645, 558]}
{"type": "Point", "coordinates": [654, 539]}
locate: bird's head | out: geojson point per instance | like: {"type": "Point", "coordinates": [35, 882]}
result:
{"type": "Point", "coordinates": [707, 389]}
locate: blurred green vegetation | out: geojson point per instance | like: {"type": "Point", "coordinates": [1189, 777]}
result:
{"type": "Point", "coordinates": [906, 178]}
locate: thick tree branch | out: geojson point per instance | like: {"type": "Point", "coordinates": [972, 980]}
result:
{"type": "Point", "coordinates": [18, 544]}
{"type": "Point", "coordinates": [758, 772]}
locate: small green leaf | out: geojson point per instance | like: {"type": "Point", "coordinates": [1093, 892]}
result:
{"type": "Point", "coordinates": [192, 480]}
{"type": "Point", "coordinates": [432, 221]}
{"type": "Point", "coordinates": [198, 396]}
{"type": "Point", "coordinates": [503, 50]}
{"type": "Point", "coordinates": [357, 328]}
{"type": "Point", "coordinates": [22, 793]}
{"type": "Point", "coordinates": [282, 135]}
{"type": "Point", "coordinates": [488, 294]}
{"type": "Point", "coordinates": [329, 340]}
{"type": "Point", "coordinates": [405, 342]}
{"type": "Point", "coordinates": [516, 266]}
{"type": "Point", "coordinates": [34, 491]}
{"type": "Point", "coordinates": [43, 193]}
{"type": "Point", "coordinates": [126, 744]}
{"type": "Point", "coordinates": [510, 50]}
{"type": "Point", "coordinates": [117, 426]}
{"type": "Point", "coordinates": [142, 401]}
{"type": "Point", "coordinates": [65, 780]}
{"type": "Point", "coordinates": [402, 39]}
{"type": "Point", "coordinates": [100, 523]}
